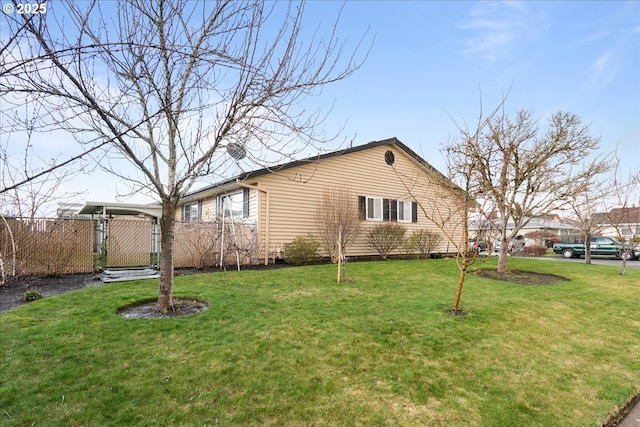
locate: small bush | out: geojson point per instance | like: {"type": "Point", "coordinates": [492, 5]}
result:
{"type": "Point", "coordinates": [423, 242]}
{"type": "Point", "coordinates": [302, 251]}
{"type": "Point", "coordinates": [386, 237]}
{"type": "Point", "coordinates": [31, 295]}
{"type": "Point", "coordinates": [535, 250]}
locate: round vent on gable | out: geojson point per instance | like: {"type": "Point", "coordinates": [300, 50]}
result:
{"type": "Point", "coordinates": [389, 158]}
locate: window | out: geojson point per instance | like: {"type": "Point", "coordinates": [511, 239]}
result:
{"type": "Point", "coordinates": [191, 212]}
{"type": "Point", "coordinates": [380, 209]}
{"type": "Point", "coordinates": [404, 211]}
{"type": "Point", "coordinates": [374, 208]}
{"type": "Point", "coordinates": [235, 205]}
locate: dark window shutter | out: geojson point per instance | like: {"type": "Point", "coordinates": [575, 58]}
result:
{"type": "Point", "coordinates": [386, 214]}
{"type": "Point", "coordinates": [414, 212]}
{"type": "Point", "coordinates": [362, 207]}
{"type": "Point", "coordinates": [394, 210]}
{"type": "Point", "coordinates": [199, 211]}
{"type": "Point", "coordinates": [245, 202]}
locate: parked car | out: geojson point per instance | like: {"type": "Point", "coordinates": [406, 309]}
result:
{"type": "Point", "coordinates": [634, 252]}
{"type": "Point", "coordinates": [476, 245]}
{"type": "Point", "coordinates": [605, 246]}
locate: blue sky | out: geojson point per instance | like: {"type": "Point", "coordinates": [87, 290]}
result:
{"type": "Point", "coordinates": [433, 62]}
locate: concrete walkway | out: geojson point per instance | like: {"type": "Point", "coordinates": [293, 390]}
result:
{"type": "Point", "coordinates": [633, 419]}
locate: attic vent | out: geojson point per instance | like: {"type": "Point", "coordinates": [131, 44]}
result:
{"type": "Point", "coordinates": [389, 158]}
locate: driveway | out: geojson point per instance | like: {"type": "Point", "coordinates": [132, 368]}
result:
{"type": "Point", "coordinates": [594, 260]}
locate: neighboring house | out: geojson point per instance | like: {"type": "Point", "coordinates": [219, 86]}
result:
{"type": "Point", "coordinates": [619, 223]}
{"type": "Point", "coordinates": [281, 200]}
{"type": "Point", "coordinates": [552, 224]}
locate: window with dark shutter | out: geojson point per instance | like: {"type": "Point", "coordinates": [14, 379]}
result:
{"type": "Point", "coordinates": [386, 209]}
{"type": "Point", "coordinates": [414, 212]}
{"type": "Point", "coordinates": [394, 210]}
{"type": "Point", "coordinates": [374, 208]}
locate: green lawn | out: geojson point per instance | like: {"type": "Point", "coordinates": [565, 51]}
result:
{"type": "Point", "coordinates": [290, 347]}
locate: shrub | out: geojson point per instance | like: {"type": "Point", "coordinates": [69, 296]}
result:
{"type": "Point", "coordinates": [539, 237]}
{"type": "Point", "coordinates": [386, 237]}
{"type": "Point", "coordinates": [535, 250]}
{"type": "Point", "coordinates": [31, 295]}
{"type": "Point", "coordinates": [303, 250]}
{"type": "Point", "coordinates": [423, 242]}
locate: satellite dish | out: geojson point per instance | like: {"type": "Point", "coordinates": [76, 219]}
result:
{"type": "Point", "coordinates": [236, 151]}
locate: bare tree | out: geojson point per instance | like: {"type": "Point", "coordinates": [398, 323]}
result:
{"type": "Point", "coordinates": [338, 223]}
{"type": "Point", "coordinates": [33, 197]}
{"type": "Point", "coordinates": [624, 209]}
{"type": "Point", "coordinates": [170, 86]}
{"type": "Point", "coordinates": [520, 171]}
{"type": "Point", "coordinates": [447, 204]}
{"type": "Point", "coordinates": [585, 199]}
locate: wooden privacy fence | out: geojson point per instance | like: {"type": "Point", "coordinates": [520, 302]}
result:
{"type": "Point", "coordinates": [46, 246]}
{"type": "Point", "coordinates": [64, 246]}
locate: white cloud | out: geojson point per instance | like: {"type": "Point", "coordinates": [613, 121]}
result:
{"type": "Point", "coordinates": [603, 69]}
{"type": "Point", "coordinates": [496, 28]}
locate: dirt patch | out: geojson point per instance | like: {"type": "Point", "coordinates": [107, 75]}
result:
{"type": "Point", "coordinates": [148, 310]}
{"type": "Point", "coordinates": [459, 313]}
{"type": "Point", "coordinates": [521, 277]}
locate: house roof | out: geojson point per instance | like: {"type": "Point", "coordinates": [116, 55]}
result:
{"type": "Point", "coordinates": [542, 222]}
{"type": "Point", "coordinates": [267, 170]}
{"type": "Point", "coordinates": [630, 215]}
{"type": "Point", "coordinates": [116, 208]}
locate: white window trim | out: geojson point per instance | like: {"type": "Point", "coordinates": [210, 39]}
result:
{"type": "Point", "coordinates": [375, 200]}
{"type": "Point", "coordinates": [188, 206]}
{"type": "Point", "coordinates": [406, 210]}
{"type": "Point", "coordinates": [239, 215]}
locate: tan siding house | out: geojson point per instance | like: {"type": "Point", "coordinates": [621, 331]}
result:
{"type": "Point", "coordinates": [385, 177]}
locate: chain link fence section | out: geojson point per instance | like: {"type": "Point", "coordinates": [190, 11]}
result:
{"type": "Point", "coordinates": [56, 246]}
{"type": "Point", "coordinates": [217, 243]}
{"type": "Point", "coordinates": [128, 243]}
{"type": "Point", "coordinates": [45, 246]}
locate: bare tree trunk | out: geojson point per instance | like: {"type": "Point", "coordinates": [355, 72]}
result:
{"type": "Point", "coordinates": [623, 266]}
{"type": "Point", "coordinates": [502, 258]}
{"type": "Point", "coordinates": [461, 277]}
{"type": "Point", "coordinates": [587, 249]}
{"type": "Point", "coordinates": [167, 227]}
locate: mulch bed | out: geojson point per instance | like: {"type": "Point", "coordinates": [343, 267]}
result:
{"type": "Point", "coordinates": [148, 309]}
{"type": "Point", "coordinates": [521, 277]}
